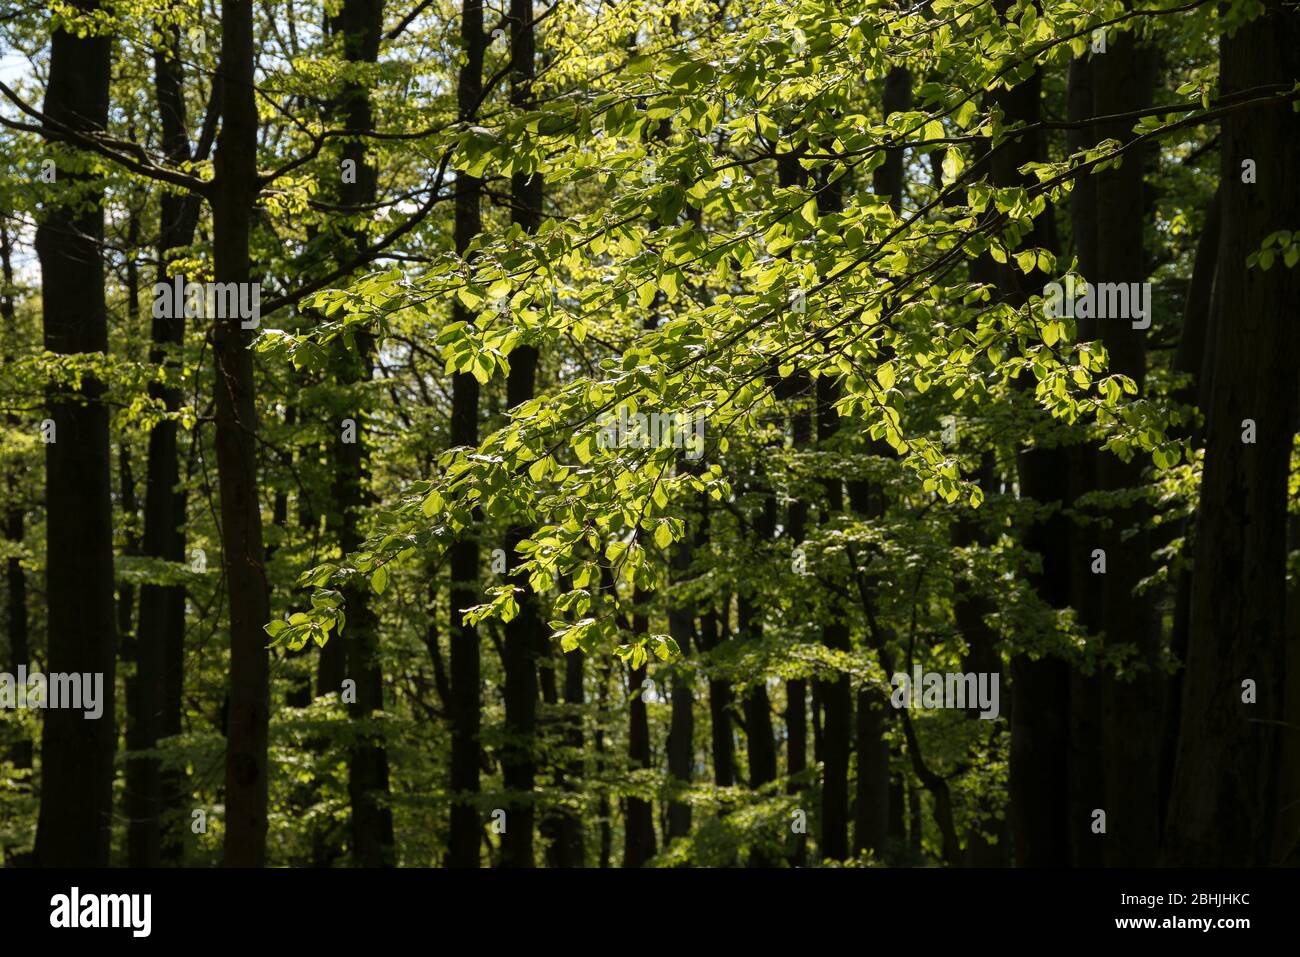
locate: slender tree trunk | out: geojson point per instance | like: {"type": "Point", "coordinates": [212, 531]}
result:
{"type": "Point", "coordinates": [359, 24]}
{"type": "Point", "coordinates": [466, 715]}
{"type": "Point", "coordinates": [638, 817]}
{"type": "Point", "coordinates": [524, 632]}
{"type": "Point", "coordinates": [568, 845]}
{"type": "Point", "coordinates": [1200, 315]}
{"type": "Point", "coordinates": [233, 195]}
{"type": "Point", "coordinates": [75, 819]}
{"type": "Point", "coordinates": [760, 742]}
{"type": "Point", "coordinates": [1131, 703]}
{"type": "Point", "coordinates": [681, 731]}
{"type": "Point", "coordinates": [760, 739]}
{"type": "Point", "coordinates": [971, 611]}
{"type": "Point", "coordinates": [1039, 723]}
{"type": "Point", "coordinates": [603, 804]}
{"type": "Point", "coordinates": [1087, 769]}
{"type": "Point", "coordinates": [16, 617]}
{"type": "Point", "coordinates": [835, 693]}
{"type": "Point", "coordinates": [722, 742]}
{"type": "Point", "coordinates": [161, 632]}
{"type": "Point", "coordinates": [872, 792]}
{"type": "Point", "coordinates": [1286, 840]}
{"type": "Point", "coordinates": [796, 689]}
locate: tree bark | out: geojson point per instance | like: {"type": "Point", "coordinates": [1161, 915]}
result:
{"type": "Point", "coordinates": [681, 731]}
{"type": "Point", "coordinates": [1039, 724]}
{"type": "Point", "coordinates": [1223, 803]}
{"type": "Point", "coordinates": [17, 621]}
{"type": "Point", "coordinates": [233, 198]}
{"type": "Point", "coordinates": [359, 24]}
{"type": "Point", "coordinates": [524, 633]}
{"type": "Point", "coordinates": [835, 693]}
{"type": "Point", "coordinates": [75, 820]}
{"type": "Point", "coordinates": [161, 631]}
{"type": "Point", "coordinates": [638, 816]}
{"type": "Point", "coordinates": [1131, 704]}
{"type": "Point", "coordinates": [466, 714]}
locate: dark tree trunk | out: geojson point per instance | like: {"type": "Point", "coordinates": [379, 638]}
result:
{"type": "Point", "coordinates": [603, 804]}
{"type": "Point", "coordinates": [871, 807]}
{"type": "Point", "coordinates": [16, 619]}
{"type": "Point", "coordinates": [1222, 810]}
{"type": "Point", "coordinates": [1087, 772]}
{"type": "Point", "coordinates": [759, 737]}
{"type": "Point", "coordinates": [681, 731]}
{"type": "Point", "coordinates": [466, 715]}
{"type": "Point", "coordinates": [568, 844]}
{"type": "Point", "coordinates": [74, 825]}
{"type": "Point", "coordinates": [161, 631]}
{"type": "Point", "coordinates": [638, 816]}
{"type": "Point", "coordinates": [835, 694]}
{"type": "Point", "coordinates": [524, 633]}
{"type": "Point", "coordinates": [359, 24]}
{"type": "Point", "coordinates": [760, 742]}
{"type": "Point", "coordinates": [233, 197]}
{"type": "Point", "coordinates": [1131, 704]}
{"type": "Point", "coordinates": [713, 630]}
{"type": "Point", "coordinates": [971, 611]}
{"type": "Point", "coordinates": [1286, 841]}
{"type": "Point", "coordinates": [872, 792]}
{"type": "Point", "coordinates": [796, 689]}
{"type": "Point", "coordinates": [1200, 315]}
{"type": "Point", "coordinates": [1039, 723]}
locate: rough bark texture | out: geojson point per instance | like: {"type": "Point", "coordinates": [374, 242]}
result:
{"type": "Point", "coordinates": [1223, 800]}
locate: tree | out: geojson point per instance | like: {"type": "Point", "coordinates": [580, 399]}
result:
{"type": "Point", "coordinates": [76, 751]}
{"type": "Point", "coordinates": [1227, 747]}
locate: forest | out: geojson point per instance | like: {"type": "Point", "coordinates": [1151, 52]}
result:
{"type": "Point", "coordinates": [650, 433]}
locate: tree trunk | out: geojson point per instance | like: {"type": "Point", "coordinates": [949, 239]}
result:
{"type": "Point", "coordinates": [971, 611]}
{"type": "Point", "coordinates": [1087, 769]}
{"type": "Point", "coordinates": [1223, 803]}
{"type": "Point", "coordinates": [796, 689]}
{"type": "Point", "coordinates": [835, 693]}
{"type": "Point", "coordinates": [722, 742]}
{"type": "Point", "coordinates": [359, 24]}
{"type": "Point", "coordinates": [233, 198]}
{"type": "Point", "coordinates": [16, 617]}
{"type": "Point", "coordinates": [1201, 314]}
{"type": "Point", "coordinates": [568, 845]}
{"type": "Point", "coordinates": [74, 825]}
{"type": "Point", "coordinates": [681, 731]}
{"type": "Point", "coordinates": [1131, 704]}
{"type": "Point", "coordinates": [466, 716]}
{"type": "Point", "coordinates": [638, 818]}
{"type": "Point", "coordinates": [871, 798]}
{"type": "Point", "coordinates": [1039, 723]}
{"type": "Point", "coordinates": [161, 630]}
{"type": "Point", "coordinates": [524, 633]}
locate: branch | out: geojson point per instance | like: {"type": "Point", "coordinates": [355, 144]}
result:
{"type": "Point", "coordinates": [119, 151]}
